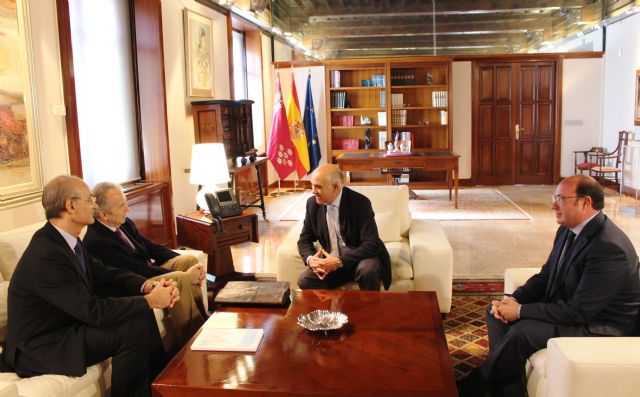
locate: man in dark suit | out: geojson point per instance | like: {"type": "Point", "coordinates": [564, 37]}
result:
{"type": "Point", "coordinates": [342, 221]}
{"type": "Point", "coordinates": [589, 286]}
{"type": "Point", "coordinates": [57, 323]}
{"type": "Point", "coordinates": [115, 240]}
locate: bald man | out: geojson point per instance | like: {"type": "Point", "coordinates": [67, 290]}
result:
{"type": "Point", "coordinates": [342, 221]}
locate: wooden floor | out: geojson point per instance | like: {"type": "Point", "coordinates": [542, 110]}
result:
{"type": "Point", "coordinates": [481, 248]}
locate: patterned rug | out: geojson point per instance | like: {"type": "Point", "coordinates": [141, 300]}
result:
{"type": "Point", "coordinates": [473, 204]}
{"type": "Point", "coordinates": [465, 327]}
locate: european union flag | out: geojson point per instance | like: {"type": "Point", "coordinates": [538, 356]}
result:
{"type": "Point", "coordinates": [311, 129]}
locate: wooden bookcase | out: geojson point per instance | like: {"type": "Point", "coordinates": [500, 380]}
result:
{"type": "Point", "coordinates": [230, 123]}
{"type": "Point", "coordinates": [414, 95]}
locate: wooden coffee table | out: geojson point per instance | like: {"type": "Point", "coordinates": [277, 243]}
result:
{"type": "Point", "coordinates": [393, 346]}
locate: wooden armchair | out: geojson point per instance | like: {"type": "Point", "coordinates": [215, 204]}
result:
{"type": "Point", "coordinates": [609, 165]}
{"type": "Point", "coordinates": [581, 161]}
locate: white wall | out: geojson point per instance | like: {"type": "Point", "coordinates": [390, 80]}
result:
{"type": "Point", "coordinates": [621, 61]}
{"type": "Point", "coordinates": [581, 109]}
{"type": "Point", "coordinates": [319, 102]}
{"type": "Point", "coordinates": [179, 116]}
{"type": "Point", "coordinates": [47, 83]}
{"type": "Point", "coordinates": [461, 109]}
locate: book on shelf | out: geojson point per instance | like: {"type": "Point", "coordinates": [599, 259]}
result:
{"type": "Point", "coordinates": [398, 117]}
{"type": "Point", "coordinates": [228, 339]}
{"type": "Point", "coordinates": [345, 144]}
{"type": "Point", "coordinates": [397, 100]}
{"type": "Point", "coordinates": [254, 293]}
{"type": "Point", "coordinates": [339, 99]}
{"type": "Point", "coordinates": [443, 117]}
{"type": "Point", "coordinates": [382, 138]}
{"type": "Point", "coordinates": [439, 99]}
{"type": "Point", "coordinates": [335, 78]}
{"type": "Point", "coordinates": [382, 119]}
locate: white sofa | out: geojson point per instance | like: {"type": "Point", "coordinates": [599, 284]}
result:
{"type": "Point", "coordinates": [97, 380]}
{"type": "Point", "coordinates": [421, 256]}
{"type": "Point", "coordinates": [580, 367]}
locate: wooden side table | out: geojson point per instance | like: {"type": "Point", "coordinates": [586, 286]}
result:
{"type": "Point", "coordinates": [197, 231]}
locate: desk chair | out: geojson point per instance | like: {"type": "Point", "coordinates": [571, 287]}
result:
{"type": "Point", "coordinates": [581, 161]}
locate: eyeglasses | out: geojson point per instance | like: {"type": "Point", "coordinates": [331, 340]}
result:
{"type": "Point", "coordinates": [91, 200]}
{"type": "Point", "coordinates": [558, 198]}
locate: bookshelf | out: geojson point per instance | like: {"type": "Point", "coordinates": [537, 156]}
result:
{"type": "Point", "coordinates": [389, 96]}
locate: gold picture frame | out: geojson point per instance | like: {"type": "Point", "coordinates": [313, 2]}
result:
{"type": "Point", "coordinates": [198, 45]}
{"type": "Point", "coordinates": [636, 120]}
{"type": "Point", "coordinates": [20, 161]}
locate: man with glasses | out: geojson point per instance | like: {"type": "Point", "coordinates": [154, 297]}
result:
{"type": "Point", "coordinates": [115, 240]}
{"type": "Point", "coordinates": [58, 324]}
{"type": "Point", "coordinates": [589, 286]}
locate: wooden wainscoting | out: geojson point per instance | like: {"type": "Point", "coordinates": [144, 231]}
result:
{"type": "Point", "coordinates": [150, 208]}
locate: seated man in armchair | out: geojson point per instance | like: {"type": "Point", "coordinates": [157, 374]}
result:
{"type": "Point", "coordinates": [58, 324]}
{"type": "Point", "coordinates": [342, 221]}
{"type": "Point", "coordinates": [115, 240]}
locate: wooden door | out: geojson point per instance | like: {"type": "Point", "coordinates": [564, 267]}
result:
{"type": "Point", "coordinates": [514, 123]}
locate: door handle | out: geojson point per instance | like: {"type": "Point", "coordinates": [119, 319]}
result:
{"type": "Point", "coordinates": [518, 131]}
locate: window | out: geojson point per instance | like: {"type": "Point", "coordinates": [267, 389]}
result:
{"type": "Point", "coordinates": [239, 66]}
{"type": "Point", "coordinates": [104, 86]}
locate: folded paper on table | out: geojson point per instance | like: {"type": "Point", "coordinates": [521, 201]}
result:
{"type": "Point", "coordinates": [228, 339]}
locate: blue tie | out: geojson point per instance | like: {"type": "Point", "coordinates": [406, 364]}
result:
{"type": "Point", "coordinates": [80, 255]}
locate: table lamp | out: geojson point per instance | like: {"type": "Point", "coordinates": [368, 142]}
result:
{"type": "Point", "coordinates": [208, 168]}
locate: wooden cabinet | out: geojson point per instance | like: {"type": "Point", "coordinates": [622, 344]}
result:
{"type": "Point", "coordinates": [384, 98]}
{"type": "Point", "coordinates": [230, 122]}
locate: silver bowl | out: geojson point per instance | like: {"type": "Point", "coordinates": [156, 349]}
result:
{"type": "Point", "coordinates": [322, 320]}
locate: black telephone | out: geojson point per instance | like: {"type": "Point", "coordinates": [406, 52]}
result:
{"type": "Point", "coordinates": [223, 204]}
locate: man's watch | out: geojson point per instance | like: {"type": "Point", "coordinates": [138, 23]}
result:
{"type": "Point", "coordinates": [339, 264]}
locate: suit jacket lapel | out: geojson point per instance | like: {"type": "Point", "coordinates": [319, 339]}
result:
{"type": "Point", "coordinates": [323, 228]}
{"type": "Point", "coordinates": [579, 244]}
{"type": "Point", "coordinates": [71, 256]}
{"type": "Point", "coordinates": [557, 251]}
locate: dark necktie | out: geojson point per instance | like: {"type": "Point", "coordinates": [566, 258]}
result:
{"type": "Point", "coordinates": [80, 255]}
{"type": "Point", "coordinates": [124, 239]}
{"type": "Point", "coordinates": [129, 243]}
{"type": "Point", "coordinates": [566, 250]}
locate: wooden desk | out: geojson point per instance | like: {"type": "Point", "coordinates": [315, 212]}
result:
{"type": "Point", "coordinates": [432, 161]}
{"type": "Point", "coordinates": [197, 231]}
{"type": "Point", "coordinates": [394, 345]}
{"type": "Point", "coordinates": [245, 189]}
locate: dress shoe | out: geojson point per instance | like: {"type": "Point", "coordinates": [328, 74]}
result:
{"type": "Point", "coordinates": [472, 385]}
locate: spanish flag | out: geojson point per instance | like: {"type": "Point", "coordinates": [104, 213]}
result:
{"type": "Point", "coordinates": [296, 130]}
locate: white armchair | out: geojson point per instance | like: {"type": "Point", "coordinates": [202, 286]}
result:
{"type": "Point", "coordinates": [421, 256]}
{"type": "Point", "coordinates": [580, 367]}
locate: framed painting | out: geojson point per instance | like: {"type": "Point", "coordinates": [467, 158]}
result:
{"type": "Point", "coordinates": [198, 44]}
{"type": "Point", "coordinates": [636, 107]}
{"type": "Point", "coordinates": [20, 168]}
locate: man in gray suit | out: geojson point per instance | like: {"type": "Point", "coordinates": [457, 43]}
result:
{"type": "Point", "coordinates": [589, 286]}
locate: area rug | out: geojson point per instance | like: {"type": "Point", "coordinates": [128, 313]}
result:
{"type": "Point", "coordinates": [466, 332]}
{"type": "Point", "coordinates": [473, 204]}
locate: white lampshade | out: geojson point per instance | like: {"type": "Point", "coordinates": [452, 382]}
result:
{"type": "Point", "coordinates": [208, 168]}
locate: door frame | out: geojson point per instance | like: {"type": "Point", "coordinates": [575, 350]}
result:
{"type": "Point", "coordinates": [557, 141]}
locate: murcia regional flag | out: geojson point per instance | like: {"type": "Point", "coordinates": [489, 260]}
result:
{"type": "Point", "coordinates": [281, 152]}
{"type": "Point", "coordinates": [296, 129]}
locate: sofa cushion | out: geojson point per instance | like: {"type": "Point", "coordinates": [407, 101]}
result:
{"type": "Point", "coordinates": [59, 385]}
{"type": "Point", "coordinates": [389, 198]}
{"type": "Point", "coordinates": [400, 253]}
{"type": "Point", "coordinates": [538, 360]}
{"type": "Point", "coordinates": [12, 245]}
{"type": "Point", "coordinates": [388, 226]}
